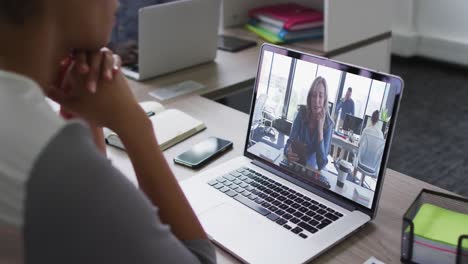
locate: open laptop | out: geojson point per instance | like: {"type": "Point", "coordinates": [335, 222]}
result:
{"type": "Point", "coordinates": [175, 35]}
{"type": "Point", "coordinates": [263, 207]}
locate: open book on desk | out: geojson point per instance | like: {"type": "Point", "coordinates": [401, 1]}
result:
{"type": "Point", "coordinates": [171, 126]}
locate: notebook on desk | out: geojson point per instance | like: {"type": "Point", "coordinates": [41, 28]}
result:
{"type": "Point", "coordinates": [171, 126]}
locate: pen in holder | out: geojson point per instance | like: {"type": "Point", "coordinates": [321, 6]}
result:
{"type": "Point", "coordinates": [435, 229]}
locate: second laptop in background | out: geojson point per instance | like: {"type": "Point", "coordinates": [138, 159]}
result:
{"type": "Point", "coordinates": [174, 36]}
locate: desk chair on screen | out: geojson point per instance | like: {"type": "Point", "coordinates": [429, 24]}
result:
{"type": "Point", "coordinates": [370, 153]}
{"type": "Point", "coordinates": [257, 119]}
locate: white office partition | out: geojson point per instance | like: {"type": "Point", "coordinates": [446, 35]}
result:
{"type": "Point", "coordinates": [348, 22]}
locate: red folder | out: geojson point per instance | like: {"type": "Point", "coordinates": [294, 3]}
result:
{"type": "Point", "coordinates": [290, 16]}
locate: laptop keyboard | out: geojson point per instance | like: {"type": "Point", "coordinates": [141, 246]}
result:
{"type": "Point", "coordinates": [292, 210]}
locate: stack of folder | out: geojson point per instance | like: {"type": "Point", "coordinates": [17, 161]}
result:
{"type": "Point", "coordinates": [285, 23]}
{"type": "Point", "coordinates": [436, 234]}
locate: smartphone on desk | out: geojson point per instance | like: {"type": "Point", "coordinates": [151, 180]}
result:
{"type": "Point", "coordinates": [201, 153]}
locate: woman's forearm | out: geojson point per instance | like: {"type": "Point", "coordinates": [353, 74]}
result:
{"type": "Point", "coordinates": [157, 181]}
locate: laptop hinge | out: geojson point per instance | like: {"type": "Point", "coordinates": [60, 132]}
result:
{"type": "Point", "coordinates": [315, 190]}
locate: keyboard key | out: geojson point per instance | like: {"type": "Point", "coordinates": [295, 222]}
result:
{"type": "Point", "coordinates": [318, 217]}
{"type": "Point", "coordinates": [283, 206]}
{"type": "Point", "coordinates": [298, 214]}
{"type": "Point", "coordinates": [281, 221]}
{"type": "Point", "coordinates": [303, 209]}
{"type": "Point", "coordinates": [314, 202]}
{"type": "Point", "coordinates": [297, 230]}
{"type": "Point", "coordinates": [228, 183]}
{"type": "Point", "coordinates": [305, 218]}
{"type": "Point", "coordinates": [252, 196]}
{"type": "Point", "coordinates": [240, 170]}
{"type": "Point", "coordinates": [287, 216]}
{"type": "Point", "coordinates": [285, 193]}
{"type": "Point", "coordinates": [331, 216]}
{"type": "Point", "coordinates": [243, 178]}
{"type": "Point", "coordinates": [274, 195]}
{"type": "Point", "coordinates": [266, 204]}
{"type": "Point", "coordinates": [295, 205]}
{"type": "Point", "coordinates": [213, 182]}
{"type": "Point", "coordinates": [322, 206]}
{"type": "Point", "coordinates": [288, 202]}
{"type": "Point", "coordinates": [310, 213]}
{"type": "Point", "coordinates": [248, 180]}
{"type": "Point", "coordinates": [313, 207]}
{"type": "Point", "coordinates": [307, 198]}
{"type": "Point", "coordinates": [290, 210]}
{"type": "Point", "coordinates": [308, 227]}
{"type": "Point", "coordinates": [299, 200]}
{"type": "Point", "coordinates": [294, 220]}
{"type": "Point", "coordinates": [299, 195]}
{"type": "Point", "coordinates": [269, 199]}
{"type": "Point", "coordinates": [267, 191]}
{"type": "Point", "coordinates": [259, 200]}
{"type": "Point", "coordinates": [221, 179]}
{"type": "Point", "coordinates": [330, 210]}
{"type": "Point", "coordinates": [287, 227]}
{"type": "Point", "coordinates": [313, 222]}
{"type": "Point", "coordinates": [304, 236]}
{"type": "Point", "coordinates": [262, 195]}
{"type": "Point", "coordinates": [321, 211]}
{"type": "Point", "coordinates": [280, 212]}
{"type": "Point", "coordinates": [246, 173]}
{"type": "Point", "coordinates": [252, 205]}
{"type": "Point", "coordinates": [273, 208]}
{"type": "Point", "coordinates": [231, 193]}
{"type": "Point", "coordinates": [326, 221]}
{"type": "Point", "coordinates": [276, 202]}
{"type": "Point", "coordinates": [243, 184]}
{"type": "Point", "coordinates": [292, 196]}
{"type": "Point", "coordinates": [218, 185]}
{"type": "Point", "coordinates": [273, 217]}
{"type": "Point", "coordinates": [249, 188]}
{"type": "Point", "coordinates": [235, 174]}
{"type": "Point", "coordinates": [234, 186]}
{"type": "Point", "coordinates": [224, 189]}
{"type": "Point", "coordinates": [338, 214]}
{"type": "Point", "coordinates": [306, 204]}
{"type": "Point", "coordinates": [237, 181]}
{"type": "Point", "coordinates": [239, 190]}
{"type": "Point", "coordinates": [254, 191]}
{"type": "Point", "coordinates": [246, 193]}
{"type": "Point", "coordinates": [281, 198]}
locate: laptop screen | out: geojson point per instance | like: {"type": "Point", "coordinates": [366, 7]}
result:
{"type": "Point", "coordinates": [307, 120]}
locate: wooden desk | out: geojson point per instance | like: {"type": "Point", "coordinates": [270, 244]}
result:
{"type": "Point", "coordinates": [380, 238]}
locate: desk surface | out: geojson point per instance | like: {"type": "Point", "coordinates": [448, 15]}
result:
{"type": "Point", "coordinates": [380, 238]}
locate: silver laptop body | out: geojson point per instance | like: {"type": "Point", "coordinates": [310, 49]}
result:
{"type": "Point", "coordinates": [235, 201]}
{"type": "Point", "coordinates": [175, 35]}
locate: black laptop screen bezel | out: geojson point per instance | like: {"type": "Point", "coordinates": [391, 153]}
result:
{"type": "Point", "coordinates": [394, 81]}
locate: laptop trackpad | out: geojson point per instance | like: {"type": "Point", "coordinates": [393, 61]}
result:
{"type": "Point", "coordinates": [238, 229]}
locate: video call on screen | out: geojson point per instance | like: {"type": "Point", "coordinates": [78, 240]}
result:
{"type": "Point", "coordinates": [325, 126]}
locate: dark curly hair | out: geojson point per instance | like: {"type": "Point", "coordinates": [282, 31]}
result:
{"type": "Point", "coordinates": [17, 11]}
